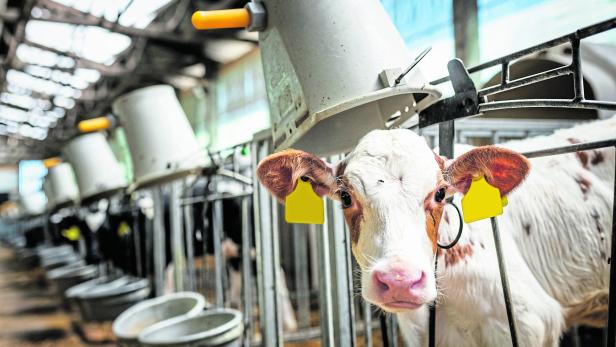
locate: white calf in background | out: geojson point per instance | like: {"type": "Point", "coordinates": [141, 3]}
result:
{"type": "Point", "coordinates": [555, 232]}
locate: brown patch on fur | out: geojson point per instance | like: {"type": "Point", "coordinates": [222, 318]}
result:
{"type": "Point", "coordinates": [502, 168]}
{"type": "Point", "coordinates": [590, 311]}
{"type": "Point", "coordinates": [280, 171]}
{"type": "Point", "coordinates": [434, 212]}
{"type": "Point", "coordinates": [456, 253]}
{"type": "Point", "coordinates": [597, 158]}
{"type": "Point", "coordinates": [584, 184]}
{"type": "Point", "coordinates": [582, 156]}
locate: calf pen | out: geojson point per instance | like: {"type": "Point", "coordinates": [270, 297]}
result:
{"type": "Point", "coordinates": [316, 258]}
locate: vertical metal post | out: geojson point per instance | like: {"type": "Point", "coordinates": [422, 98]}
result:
{"type": "Point", "coordinates": [177, 236]}
{"type": "Point", "coordinates": [190, 247]}
{"type": "Point", "coordinates": [367, 323]}
{"type": "Point", "coordinates": [265, 234]}
{"type": "Point", "coordinates": [247, 270]}
{"type": "Point", "coordinates": [137, 242]}
{"type": "Point", "coordinates": [576, 64]}
{"type": "Point", "coordinates": [302, 287]}
{"type": "Point", "coordinates": [158, 241]}
{"type": "Point", "coordinates": [218, 259]}
{"type": "Point", "coordinates": [325, 284]}
{"type": "Point", "coordinates": [342, 281]}
{"type": "Point", "coordinates": [611, 316]}
{"type": "Point", "coordinates": [505, 283]}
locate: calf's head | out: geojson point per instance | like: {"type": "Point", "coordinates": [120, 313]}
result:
{"type": "Point", "coordinates": [392, 188]}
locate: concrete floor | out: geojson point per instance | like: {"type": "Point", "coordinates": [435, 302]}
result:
{"type": "Point", "coordinates": [30, 314]}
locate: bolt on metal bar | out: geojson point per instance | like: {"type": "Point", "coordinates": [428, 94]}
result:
{"type": "Point", "coordinates": [505, 283]}
{"type": "Point", "coordinates": [218, 257]}
{"type": "Point", "coordinates": [611, 319]}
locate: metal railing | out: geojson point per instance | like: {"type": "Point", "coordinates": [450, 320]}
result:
{"type": "Point", "coordinates": [468, 102]}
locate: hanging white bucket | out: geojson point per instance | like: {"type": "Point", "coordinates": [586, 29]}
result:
{"type": "Point", "coordinates": [98, 172]}
{"type": "Point", "coordinates": [62, 185]}
{"type": "Point", "coordinates": [161, 142]}
{"type": "Point", "coordinates": [322, 73]}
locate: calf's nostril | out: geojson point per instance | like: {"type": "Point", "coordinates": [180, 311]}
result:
{"type": "Point", "coordinates": [419, 282]}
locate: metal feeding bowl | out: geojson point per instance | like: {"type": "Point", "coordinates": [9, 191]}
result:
{"type": "Point", "coordinates": [105, 301]}
{"type": "Point", "coordinates": [53, 260]}
{"type": "Point", "coordinates": [213, 328]}
{"type": "Point", "coordinates": [145, 314]}
{"type": "Point", "coordinates": [68, 276]}
{"type": "Point", "coordinates": [73, 294]}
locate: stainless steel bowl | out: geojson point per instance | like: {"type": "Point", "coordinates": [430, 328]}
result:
{"type": "Point", "coordinates": [106, 301]}
{"type": "Point", "coordinates": [68, 276]}
{"type": "Point", "coordinates": [73, 294]}
{"type": "Point", "coordinates": [145, 314]}
{"type": "Point", "coordinates": [213, 328]}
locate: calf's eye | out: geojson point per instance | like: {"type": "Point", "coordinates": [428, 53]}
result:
{"type": "Point", "coordinates": [346, 199]}
{"type": "Point", "coordinates": [439, 195]}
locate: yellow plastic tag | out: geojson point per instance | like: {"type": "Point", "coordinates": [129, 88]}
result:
{"type": "Point", "coordinates": [73, 233]}
{"type": "Point", "coordinates": [123, 229]}
{"type": "Point", "coordinates": [482, 201]}
{"type": "Point", "coordinates": [304, 206]}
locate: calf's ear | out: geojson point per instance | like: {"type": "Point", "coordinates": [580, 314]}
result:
{"type": "Point", "coordinates": [280, 171]}
{"type": "Point", "coordinates": [502, 168]}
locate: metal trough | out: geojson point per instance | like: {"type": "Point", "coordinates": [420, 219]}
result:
{"type": "Point", "coordinates": [68, 276]}
{"type": "Point", "coordinates": [145, 314]}
{"type": "Point", "coordinates": [73, 294]}
{"type": "Point", "coordinates": [106, 301]}
{"type": "Point", "coordinates": [214, 328]}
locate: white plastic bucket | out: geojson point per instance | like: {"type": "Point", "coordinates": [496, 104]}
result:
{"type": "Point", "coordinates": [98, 172]}
{"type": "Point", "coordinates": [62, 184]}
{"type": "Point", "coordinates": [162, 144]}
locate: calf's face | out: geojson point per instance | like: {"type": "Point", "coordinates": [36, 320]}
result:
{"type": "Point", "coordinates": [392, 188]}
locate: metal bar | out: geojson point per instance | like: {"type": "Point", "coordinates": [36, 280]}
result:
{"type": "Point", "coordinates": [384, 331]}
{"type": "Point", "coordinates": [504, 73]}
{"type": "Point", "coordinates": [189, 230]}
{"type": "Point", "coordinates": [576, 66]}
{"type": "Point", "coordinates": [579, 34]}
{"type": "Point", "coordinates": [325, 283]}
{"type": "Point", "coordinates": [367, 323]}
{"type": "Point", "coordinates": [611, 316]}
{"type": "Point", "coordinates": [266, 271]}
{"type": "Point", "coordinates": [247, 270]}
{"type": "Point", "coordinates": [341, 272]}
{"type": "Point", "coordinates": [137, 242]}
{"type": "Point", "coordinates": [446, 136]}
{"type": "Point", "coordinates": [553, 103]}
{"type": "Point", "coordinates": [505, 283]}
{"type": "Point", "coordinates": [302, 286]}
{"type": "Point", "coordinates": [524, 81]}
{"type": "Point", "coordinates": [158, 241]}
{"type": "Point", "coordinates": [570, 149]}
{"type": "Point", "coordinates": [276, 270]}
{"type": "Point", "coordinates": [177, 236]}
{"type": "Point", "coordinates": [218, 260]}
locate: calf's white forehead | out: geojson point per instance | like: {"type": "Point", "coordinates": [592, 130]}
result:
{"type": "Point", "coordinates": [392, 155]}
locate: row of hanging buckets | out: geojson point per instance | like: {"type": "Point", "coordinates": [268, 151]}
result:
{"type": "Point", "coordinates": [178, 319]}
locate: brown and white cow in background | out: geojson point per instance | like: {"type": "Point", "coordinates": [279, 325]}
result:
{"type": "Point", "coordinates": [555, 232]}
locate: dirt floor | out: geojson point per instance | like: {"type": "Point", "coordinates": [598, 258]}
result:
{"type": "Point", "coordinates": [30, 314]}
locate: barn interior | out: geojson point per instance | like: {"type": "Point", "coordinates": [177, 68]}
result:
{"type": "Point", "coordinates": [131, 131]}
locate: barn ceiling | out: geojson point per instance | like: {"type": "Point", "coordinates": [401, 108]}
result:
{"type": "Point", "coordinates": [67, 60]}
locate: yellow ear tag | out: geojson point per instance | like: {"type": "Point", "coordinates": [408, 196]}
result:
{"type": "Point", "coordinates": [482, 201]}
{"type": "Point", "coordinates": [123, 229]}
{"type": "Point", "coordinates": [304, 206]}
{"type": "Point", "coordinates": [72, 233]}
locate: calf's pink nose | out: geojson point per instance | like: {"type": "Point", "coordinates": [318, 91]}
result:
{"type": "Point", "coordinates": [398, 284]}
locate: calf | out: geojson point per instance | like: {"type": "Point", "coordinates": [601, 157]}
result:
{"type": "Point", "coordinates": [555, 233]}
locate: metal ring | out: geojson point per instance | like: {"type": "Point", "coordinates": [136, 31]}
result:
{"type": "Point", "coordinates": [460, 228]}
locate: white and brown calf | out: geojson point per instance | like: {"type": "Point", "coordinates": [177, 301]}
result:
{"type": "Point", "coordinates": [555, 234]}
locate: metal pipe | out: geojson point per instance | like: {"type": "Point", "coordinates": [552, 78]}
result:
{"type": "Point", "coordinates": [247, 270]}
{"type": "Point", "coordinates": [137, 242]}
{"type": "Point", "coordinates": [190, 247]}
{"type": "Point", "coordinates": [552, 103]}
{"type": "Point", "coordinates": [570, 148]}
{"type": "Point", "coordinates": [524, 81]}
{"type": "Point", "coordinates": [177, 236]}
{"type": "Point", "coordinates": [302, 286]}
{"type": "Point", "coordinates": [576, 67]}
{"type": "Point", "coordinates": [505, 283]}
{"type": "Point", "coordinates": [158, 241]}
{"type": "Point", "coordinates": [325, 284]}
{"type": "Point", "coordinates": [367, 324]}
{"type": "Point", "coordinates": [218, 258]}
{"type": "Point", "coordinates": [611, 316]}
